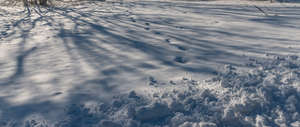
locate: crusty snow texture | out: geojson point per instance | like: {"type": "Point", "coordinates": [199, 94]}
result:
{"type": "Point", "coordinates": [267, 95]}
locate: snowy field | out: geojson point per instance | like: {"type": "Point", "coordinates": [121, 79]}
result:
{"type": "Point", "coordinates": [150, 64]}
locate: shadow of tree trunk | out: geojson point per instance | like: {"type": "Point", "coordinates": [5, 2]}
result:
{"type": "Point", "coordinates": [19, 66]}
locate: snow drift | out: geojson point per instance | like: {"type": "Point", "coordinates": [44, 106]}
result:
{"type": "Point", "coordinates": [267, 95]}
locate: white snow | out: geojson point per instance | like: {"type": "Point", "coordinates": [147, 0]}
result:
{"type": "Point", "coordinates": [150, 63]}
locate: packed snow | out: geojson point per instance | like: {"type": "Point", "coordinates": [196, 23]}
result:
{"type": "Point", "coordinates": [150, 64]}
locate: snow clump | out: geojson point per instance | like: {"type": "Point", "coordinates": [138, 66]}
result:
{"type": "Point", "coordinates": [267, 94]}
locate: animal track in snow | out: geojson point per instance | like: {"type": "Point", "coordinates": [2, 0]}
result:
{"type": "Point", "coordinates": [181, 48]}
{"type": "Point", "coordinates": [180, 59]}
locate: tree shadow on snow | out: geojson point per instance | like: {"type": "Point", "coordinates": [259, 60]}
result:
{"type": "Point", "coordinates": [125, 42]}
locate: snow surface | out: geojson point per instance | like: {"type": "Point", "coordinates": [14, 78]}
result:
{"type": "Point", "coordinates": [150, 63]}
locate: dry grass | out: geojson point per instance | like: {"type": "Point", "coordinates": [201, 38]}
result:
{"type": "Point", "coordinates": [26, 2]}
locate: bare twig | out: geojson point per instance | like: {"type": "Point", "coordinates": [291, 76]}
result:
{"type": "Point", "coordinates": [261, 10]}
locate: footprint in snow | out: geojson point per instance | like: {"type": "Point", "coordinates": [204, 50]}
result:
{"type": "Point", "coordinates": [3, 33]}
{"type": "Point", "coordinates": [157, 33]}
{"type": "Point", "coordinates": [178, 46]}
{"type": "Point", "coordinates": [172, 82]}
{"type": "Point", "coordinates": [180, 59]}
{"type": "Point", "coordinates": [57, 93]}
{"type": "Point", "coordinates": [168, 40]}
{"type": "Point", "coordinates": [179, 27]}
{"type": "Point", "coordinates": [171, 41]}
{"type": "Point", "coordinates": [147, 24]}
{"type": "Point", "coordinates": [132, 19]}
{"type": "Point", "coordinates": [152, 81]}
{"type": "Point", "coordinates": [181, 48]}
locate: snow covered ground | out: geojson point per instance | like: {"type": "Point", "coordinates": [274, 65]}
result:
{"type": "Point", "coordinates": [150, 63]}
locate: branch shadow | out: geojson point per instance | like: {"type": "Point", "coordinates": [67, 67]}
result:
{"type": "Point", "coordinates": [126, 43]}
